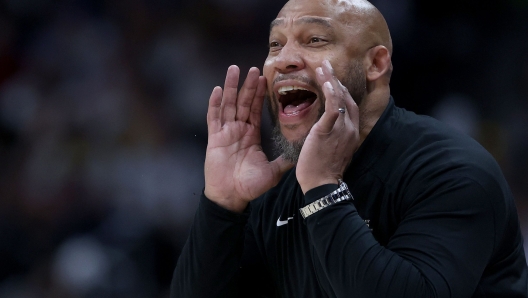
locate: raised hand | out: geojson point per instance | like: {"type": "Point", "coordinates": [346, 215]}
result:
{"type": "Point", "coordinates": [332, 141]}
{"type": "Point", "coordinates": [236, 169]}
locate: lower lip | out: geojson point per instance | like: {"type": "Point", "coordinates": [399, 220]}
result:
{"type": "Point", "coordinates": [296, 116]}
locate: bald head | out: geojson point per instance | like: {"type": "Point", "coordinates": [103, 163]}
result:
{"type": "Point", "coordinates": [366, 16]}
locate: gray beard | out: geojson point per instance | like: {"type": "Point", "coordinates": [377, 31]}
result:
{"type": "Point", "coordinates": [291, 150]}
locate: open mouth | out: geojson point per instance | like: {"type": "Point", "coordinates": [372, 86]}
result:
{"type": "Point", "coordinates": [294, 99]}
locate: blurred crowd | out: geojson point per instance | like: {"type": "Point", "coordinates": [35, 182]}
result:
{"type": "Point", "coordinates": [102, 121]}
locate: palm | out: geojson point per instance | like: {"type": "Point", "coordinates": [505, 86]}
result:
{"type": "Point", "coordinates": [236, 168]}
{"type": "Point", "coordinates": [235, 164]}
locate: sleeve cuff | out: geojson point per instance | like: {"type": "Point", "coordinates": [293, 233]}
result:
{"type": "Point", "coordinates": [316, 193]}
{"type": "Point", "coordinates": [212, 208]}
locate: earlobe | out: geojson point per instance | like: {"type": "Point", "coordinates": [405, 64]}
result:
{"type": "Point", "coordinates": [380, 62]}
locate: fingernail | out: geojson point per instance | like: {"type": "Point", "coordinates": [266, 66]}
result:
{"type": "Point", "coordinates": [319, 71]}
{"type": "Point", "coordinates": [329, 86]}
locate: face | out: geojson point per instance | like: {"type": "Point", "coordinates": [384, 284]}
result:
{"type": "Point", "coordinates": [305, 33]}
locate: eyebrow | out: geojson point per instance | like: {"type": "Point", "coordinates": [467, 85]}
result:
{"type": "Point", "coordinates": [275, 23]}
{"type": "Point", "coordinates": [304, 20]}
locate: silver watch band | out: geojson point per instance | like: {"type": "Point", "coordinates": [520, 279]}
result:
{"type": "Point", "coordinates": [338, 195]}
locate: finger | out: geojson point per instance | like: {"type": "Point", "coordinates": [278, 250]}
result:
{"type": "Point", "coordinates": [255, 116]}
{"type": "Point", "coordinates": [326, 72]}
{"type": "Point", "coordinates": [334, 97]}
{"type": "Point", "coordinates": [331, 114]}
{"type": "Point", "coordinates": [229, 97]}
{"type": "Point", "coordinates": [214, 123]}
{"type": "Point", "coordinates": [247, 94]}
{"type": "Point", "coordinates": [329, 74]}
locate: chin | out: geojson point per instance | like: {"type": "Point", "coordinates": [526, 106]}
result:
{"type": "Point", "coordinates": [294, 132]}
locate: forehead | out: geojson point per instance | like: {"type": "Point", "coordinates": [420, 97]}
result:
{"type": "Point", "coordinates": [321, 12]}
{"type": "Point", "coordinates": [303, 20]}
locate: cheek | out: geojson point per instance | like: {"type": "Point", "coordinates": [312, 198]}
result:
{"type": "Point", "coordinates": [315, 59]}
{"type": "Point", "coordinates": [268, 62]}
{"type": "Point", "coordinates": [267, 69]}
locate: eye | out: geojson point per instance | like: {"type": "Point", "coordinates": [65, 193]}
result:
{"type": "Point", "coordinates": [274, 44]}
{"type": "Point", "coordinates": [315, 40]}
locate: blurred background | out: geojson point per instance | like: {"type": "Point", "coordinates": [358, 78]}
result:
{"type": "Point", "coordinates": [103, 134]}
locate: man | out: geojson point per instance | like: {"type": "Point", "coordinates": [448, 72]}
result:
{"type": "Point", "coordinates": [423, 211]}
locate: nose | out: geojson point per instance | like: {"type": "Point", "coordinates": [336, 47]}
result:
{"type": "Point", "coordinates": [289, 59]}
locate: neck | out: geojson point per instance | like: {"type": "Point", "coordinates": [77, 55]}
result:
{"type": "Point", "coordinates": [370, 111]}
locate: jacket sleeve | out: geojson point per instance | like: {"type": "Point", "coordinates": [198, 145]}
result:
{"type": "Point", "coordinates": [212, 262]}
{"type": "Point", "coordinates": [209, 262]}
{"type": "Point", "coordinates": [439, 249]}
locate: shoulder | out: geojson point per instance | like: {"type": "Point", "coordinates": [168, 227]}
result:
{"type": "Point", "coordinates": [433, 148]}
{"type": "Point", "coordinates": [428, 157]}
{"type": "Point", "coordinates": [444, 171]}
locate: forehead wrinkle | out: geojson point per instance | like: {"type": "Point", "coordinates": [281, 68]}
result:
{"type": "Point", "coordinates": [303, 20]}
{"type": "Point", "coordinates": [314, 20]}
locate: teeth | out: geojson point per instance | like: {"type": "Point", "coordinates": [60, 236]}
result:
{"type": "Point", "coordinates": [285, 89]}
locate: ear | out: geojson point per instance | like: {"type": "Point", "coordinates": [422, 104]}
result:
{"type": "Point", "coordinates": [379, 62]}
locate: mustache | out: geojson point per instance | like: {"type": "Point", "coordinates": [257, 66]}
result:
{"type": "Point", "coordinates": [300, 78]}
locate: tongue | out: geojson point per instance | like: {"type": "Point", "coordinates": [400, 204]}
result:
{"type": "Point", "coordinates": [294, 109]}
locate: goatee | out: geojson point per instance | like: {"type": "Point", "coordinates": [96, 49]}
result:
{"type": "Point", "coordinates": [290, 151]}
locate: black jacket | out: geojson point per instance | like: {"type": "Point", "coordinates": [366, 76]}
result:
{"type": "Point", "coordinates": [432, 217]}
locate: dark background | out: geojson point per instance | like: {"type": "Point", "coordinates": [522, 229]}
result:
{"type": "Point", "coordinates": [102, 121]}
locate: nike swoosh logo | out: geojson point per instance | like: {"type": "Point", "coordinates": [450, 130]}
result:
{"type": "Point", "coordinates": [282, 222]}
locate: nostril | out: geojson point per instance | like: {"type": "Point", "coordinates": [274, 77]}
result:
{"type": "Point", "coordinates": [291, 66]}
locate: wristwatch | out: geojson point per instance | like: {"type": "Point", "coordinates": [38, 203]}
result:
{"type": "Point", "coordinates": [338, 195]}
